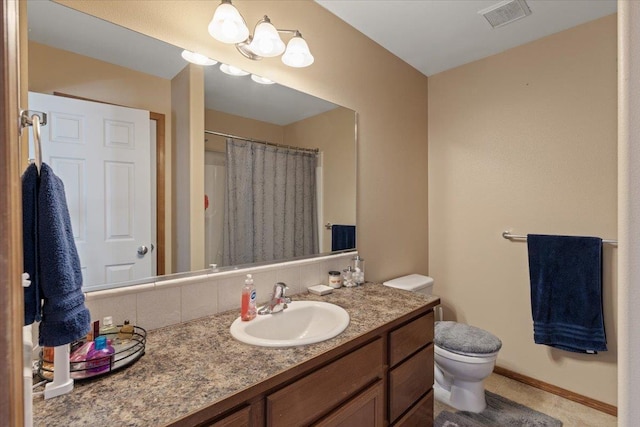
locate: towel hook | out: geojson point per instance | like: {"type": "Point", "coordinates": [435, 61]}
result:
{"type": "Point", "coordinates": [36, 119]}
{"type": "Point", "coordinates": [36, 141]}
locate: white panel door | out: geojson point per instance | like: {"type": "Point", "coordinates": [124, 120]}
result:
{"type": "Point", "coordinates": [102, 154]}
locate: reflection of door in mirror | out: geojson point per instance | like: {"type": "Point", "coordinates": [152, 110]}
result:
{"type": "Point", "coordinates": [214, 187]}
{"type": "Point", "coordinates": [101, 152]}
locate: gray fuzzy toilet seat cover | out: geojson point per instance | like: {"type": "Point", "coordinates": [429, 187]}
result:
{"type": "Point", "coordinates": [465, 339]}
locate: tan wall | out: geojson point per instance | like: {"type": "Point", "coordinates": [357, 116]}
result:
{"type": "Point", "coordinates": [187, 98]}
{"type": "Point", "coordinates": [333, 133]}
{"type": "Point", "coordinates": [241, 126]}
{"type": "Point", "coordinates": [525, 140]}
{"type": "Point", "coordinates": [350, 70]}
{"type": "Point", "coordinates": [54, 70]}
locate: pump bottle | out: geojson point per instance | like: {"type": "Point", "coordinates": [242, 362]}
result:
{"type": "Point", "coordinates": [248, 306]}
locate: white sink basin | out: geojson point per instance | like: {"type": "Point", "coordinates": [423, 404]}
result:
{"type": "Point", "coordinates": [303, 322]}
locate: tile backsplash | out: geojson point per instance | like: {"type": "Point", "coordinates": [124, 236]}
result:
{"type": "Point", "coordinates": [168, 302]}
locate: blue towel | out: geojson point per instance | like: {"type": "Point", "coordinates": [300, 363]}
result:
{"type": "Point", "coordinates": [30, 243]}
{"type": "Point", "coordinates": [64, 315]}
{"type": "Point", "coordinates": [343, 237]}
{"type": "Point", "coordinates": [566, 292]}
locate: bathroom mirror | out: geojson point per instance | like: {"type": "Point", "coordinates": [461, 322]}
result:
{"type": "Point", "coordinates": [79, 56]}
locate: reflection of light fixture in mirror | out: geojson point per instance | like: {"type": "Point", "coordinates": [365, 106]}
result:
{"type": "Point", "coordinates": [265, 41]}
{"type": "Point", "coordinates": [197, 58]}
{"type": "Point", "coordinates": [232, 71]}
{"type": "Point", "coordinates": [227, 25]}
{"type": "Point", "coordinates": [261, 80]}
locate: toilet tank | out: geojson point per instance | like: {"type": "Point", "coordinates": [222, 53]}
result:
{"type": "Point", "coordinates": [412, 283]}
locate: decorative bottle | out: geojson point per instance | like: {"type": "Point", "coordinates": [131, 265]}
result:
{"type": "Point", "coordinates": [108, 328]}
{"type": "Point", "coordinates": [100, 357]}
{"type": "Point", "coordinates": [248, 306]}
{"type": "Point", "coordinates": [358, 270]}
{"type": "Point", "coordinates": [126, 332]}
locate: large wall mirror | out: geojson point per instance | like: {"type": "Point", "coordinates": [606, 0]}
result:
{"type": "Point", "coordinates": [84, 71]}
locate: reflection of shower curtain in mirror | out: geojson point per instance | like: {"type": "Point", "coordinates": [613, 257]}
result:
{"type": "Point", "coordinates": [270, 203]}
{"type": "Point", "coordinates": [214, 189]}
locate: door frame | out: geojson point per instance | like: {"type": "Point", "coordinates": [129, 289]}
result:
{"type": "Point", "coordinates": [11, 293]}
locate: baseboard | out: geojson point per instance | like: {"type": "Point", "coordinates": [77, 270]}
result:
{"type": "Point", "coordinates": [587, 401]}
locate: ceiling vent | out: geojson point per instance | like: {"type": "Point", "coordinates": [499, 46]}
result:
{"type": "Point", "coordinates": [505, 12]}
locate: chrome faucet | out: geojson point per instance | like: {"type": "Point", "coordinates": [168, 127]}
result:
{"type": "Point", "coordinates": [278, 301]}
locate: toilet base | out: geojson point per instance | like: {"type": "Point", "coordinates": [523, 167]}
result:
{"type": "Point", "coordinates": [463, 395]}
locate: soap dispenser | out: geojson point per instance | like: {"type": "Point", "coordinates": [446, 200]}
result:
{"type": "Point", "coordinates": [248, 305]}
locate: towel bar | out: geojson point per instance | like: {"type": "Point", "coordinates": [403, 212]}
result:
{"type": "Point", "coordinates": [509, 236]}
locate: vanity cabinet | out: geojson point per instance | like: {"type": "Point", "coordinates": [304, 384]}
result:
{"type": "Point", "coordinates": [383, 378]}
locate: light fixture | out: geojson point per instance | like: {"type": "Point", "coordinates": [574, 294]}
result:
{"type": "Point", "coordinates": [261, 80]}
{"type": "Point", "coordinates": [297, 53]}
{"type": "Point", "coordinates": [228, 26]}
{"type": "Point", "coordinates": [266, 40]}
{"type": "Point", "coordinates": [197, 58]}
{"type": "Point", "coordinates": [232, 71]}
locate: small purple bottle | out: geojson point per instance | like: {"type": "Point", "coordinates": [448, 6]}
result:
{"type": "Point", "coordinates": [100, 357]}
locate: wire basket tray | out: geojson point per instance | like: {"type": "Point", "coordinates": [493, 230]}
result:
{"type": "Point", "coordinates": [126, 353]}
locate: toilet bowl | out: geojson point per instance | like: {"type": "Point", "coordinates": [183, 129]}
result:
{"type": "Point", "coordinates": [464, 355]}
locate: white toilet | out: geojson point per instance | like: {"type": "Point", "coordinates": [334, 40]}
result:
{"type": "Point", "coordinates": [464, 355]}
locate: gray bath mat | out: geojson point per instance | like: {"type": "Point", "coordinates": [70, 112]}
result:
{"type": "Point", "coordinates": [449, 419]}
{"type": "Point", "coordinates": [500, 412]}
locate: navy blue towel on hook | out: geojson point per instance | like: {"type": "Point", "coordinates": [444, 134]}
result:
{"type": "Point", "coordinates": [566, 292]}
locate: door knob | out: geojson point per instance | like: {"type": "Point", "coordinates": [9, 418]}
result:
{"type": "Point", "coordinates": [142, 250]}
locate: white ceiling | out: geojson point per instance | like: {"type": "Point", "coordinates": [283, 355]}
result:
{"type": "Point", "coordinates": [437, 35]}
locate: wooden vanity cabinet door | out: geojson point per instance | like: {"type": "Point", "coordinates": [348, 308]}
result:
{"type": "Point", "coordinates": [364, 410]}
{"type": "Point", "coordinates": [314, 395]}
{"type": "Point", "coordinates": [421, 415]}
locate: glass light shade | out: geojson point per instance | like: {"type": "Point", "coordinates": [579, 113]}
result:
{"type": "Point", "coordinates": [232, 71]}
{"type": "Point", "coordinates": [197, 58]}
{"type": "Point", "coordinates": [266, 40]}
{"type": "Point", "coordinates": [227, 25]}
{"type": "Point", "coordinates": [261, 80]}
{"type": "Point", "coordinates": [297, 53]}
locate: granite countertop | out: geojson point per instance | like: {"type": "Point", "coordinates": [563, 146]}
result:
{"type": "Point", "coordinates": [192, 365]}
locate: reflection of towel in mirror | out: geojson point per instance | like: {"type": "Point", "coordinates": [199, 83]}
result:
{"type": "Point", "coordinates": [343, 237]}
{"type": "Point", "coordinates": [566, 292]}
{"type": "Point", "coordinates": [64, 315]}
{"type": "Point", "coordinates": [29, 238]}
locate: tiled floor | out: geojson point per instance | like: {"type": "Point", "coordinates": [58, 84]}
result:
{"type": "Point", "coordinates": [571, 414]}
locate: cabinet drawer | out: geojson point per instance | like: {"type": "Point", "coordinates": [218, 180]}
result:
{"type": "Point", "coordinates": [409, 381]}
{"type": "Point", "coordinates": [410, 337]}
{"type": "Point", "coordinates": [314, 395]}
{"type": "Point", "coordinates": [420, 415]}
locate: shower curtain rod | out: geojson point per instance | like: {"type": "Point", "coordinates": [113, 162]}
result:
{"type": "Point", "coordinates": [273, 144]}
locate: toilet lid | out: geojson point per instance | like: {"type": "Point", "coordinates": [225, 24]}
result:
{"type": "Point", "coordinates": [465, 339]}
